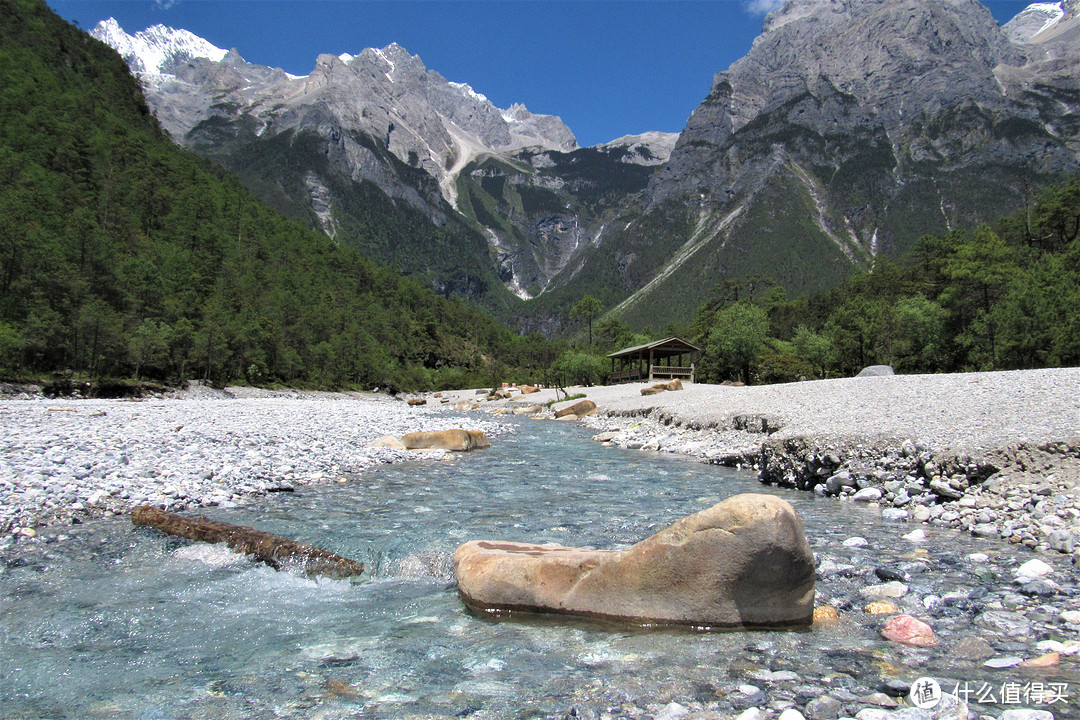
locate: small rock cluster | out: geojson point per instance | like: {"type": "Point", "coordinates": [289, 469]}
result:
{"type": "Point", "coordinates": [1024, 494]}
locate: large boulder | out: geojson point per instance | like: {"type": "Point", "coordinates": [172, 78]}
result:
{"type": "Point", "coordinates": [579, 409]}
{"type": "Point", "coordinates": [456, 439]}
{"type": "Point", "coordinates": [742, 562]}
{"type": "Point", "coordinates": [876, 371]}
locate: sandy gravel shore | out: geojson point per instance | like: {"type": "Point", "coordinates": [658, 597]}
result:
{"type": "Point", "coordinates": [62, 460]}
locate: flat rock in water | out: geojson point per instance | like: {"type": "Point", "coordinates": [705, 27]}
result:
{"type": "Point", "coordinates": [742, 562]}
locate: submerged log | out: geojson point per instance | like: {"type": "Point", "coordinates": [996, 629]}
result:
{"type": "Point", "coordinates": [273, 550]}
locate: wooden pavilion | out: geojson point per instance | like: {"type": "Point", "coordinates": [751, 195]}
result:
{"type": "Point", "coordinates": [647, 362]}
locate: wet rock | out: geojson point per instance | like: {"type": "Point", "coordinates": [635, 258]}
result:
{"type": "Point", "coordinates": [886, 574]}
{"type": "Point", "coordinates": [880, 699]}
{"type": "Point", "coordinates": [880, 607]}
{"type": "Point", "coordinates": [908, 630]}
{"type": "Point", "coordinates": [893, 589]}
{"type": "Point", "coordinates": [673, 711]}
{"type": "Point", "coordinates": [855, 542]}
{"type": "Point", "coordinates": [1033, 569]}
{"type": "Point", "coordinates": [867, 495]}
{"type": "Point", "coordinates": [696, 572]}
{"type": "Point", "coordinates": [972, 649]}
{"type": "Point", "coordinates": [1051, 659]}
{"type": "Point", "coordinates": [1025, 714]}
{"type": "Point", "coordinates": [1039, 588]}
{"type": "Point", "coordinates": [823, 708]}
{"type": "Point", "coordinates": [895, 514]}
{"type": "Point", "coordinates": [999, 663]}
{"type": "Point", "coordinates": [1003, 622]}
{"type": "Point", "coordinates": [826, 615]}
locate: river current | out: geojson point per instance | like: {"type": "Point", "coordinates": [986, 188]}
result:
{"type": "Point", "coordinates": [113, 621]}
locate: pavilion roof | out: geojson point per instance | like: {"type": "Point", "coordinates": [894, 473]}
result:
{"type": "Point", "coordinates": [660, 349]}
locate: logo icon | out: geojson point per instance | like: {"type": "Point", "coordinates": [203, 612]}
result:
{"type": "Point", "coordinates": [925, 693]}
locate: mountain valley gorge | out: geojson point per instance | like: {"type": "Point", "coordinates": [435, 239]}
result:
{"type": "Point", "coordinates": [850, 129]}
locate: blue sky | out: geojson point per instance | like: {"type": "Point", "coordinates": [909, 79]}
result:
{"type": "Point", "coordinates": [607, 67]}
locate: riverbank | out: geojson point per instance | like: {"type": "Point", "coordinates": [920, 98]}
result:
{"type": "Point", "coordinates": [65, 460]}
{"type": "Point", "coordinates": [993, 454]}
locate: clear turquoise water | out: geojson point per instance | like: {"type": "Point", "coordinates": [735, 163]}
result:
{"type": "Point", "coordinates": [127, 623]}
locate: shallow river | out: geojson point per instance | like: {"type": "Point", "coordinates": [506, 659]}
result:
{"type": "Point", "coordinates": [127, 623]}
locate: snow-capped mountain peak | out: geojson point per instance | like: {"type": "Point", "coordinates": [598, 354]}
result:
{"type": "Point", "coordinates": [156, 50]}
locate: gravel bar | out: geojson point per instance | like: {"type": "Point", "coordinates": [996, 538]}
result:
{"type": "Point", "coordinates": [62, 460]}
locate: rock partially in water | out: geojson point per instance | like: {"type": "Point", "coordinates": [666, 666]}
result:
{"type": "Point", "coordinates": [742, 562]}
{"type": "Point", "coordinates": [457, 440]}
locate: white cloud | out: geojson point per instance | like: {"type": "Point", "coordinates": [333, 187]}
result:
{"type": "Point", "coordinates": [165, 4]}
{"type": "Point", "coordinates": [763, 7]}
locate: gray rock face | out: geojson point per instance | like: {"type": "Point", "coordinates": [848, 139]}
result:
{"type": "Point", "coordinates": [851, 128]}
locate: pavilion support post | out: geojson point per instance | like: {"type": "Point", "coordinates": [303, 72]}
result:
{"type": "Point", "coordinates": [650, 365]}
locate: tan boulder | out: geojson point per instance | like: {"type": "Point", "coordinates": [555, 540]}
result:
{"type": "Point", "coordinates": [456, 439]}
{"type": "Point", "coordinates": [530, 410]}
{"type": "Point", "coordinates": [580, 409]}
{"type": "Point", "coordinates": [528, 389]}
{"type": "Point", "coordinates": [742, 562]}
{"type": "Point", "coordinates": [463, 405]}
{"type": "Point", "coordinates": [654, 390]}
{"type": "Point", "coordinates": [417, 401]}
{"type": "Point", "coordinates": [388, 441]}
{"type": "Point", "coordinates": [673, 384]}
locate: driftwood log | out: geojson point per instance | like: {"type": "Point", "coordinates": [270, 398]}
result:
{"type": "Point", "coordinates": [273, 550]}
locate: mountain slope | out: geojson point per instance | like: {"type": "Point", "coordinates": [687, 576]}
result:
{"type": "Point", "coordinates": [850, 129]}
{"type": "Point", "coordinates": [121, 253]}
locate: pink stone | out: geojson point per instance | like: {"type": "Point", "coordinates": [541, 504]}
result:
{"type": "Point", "coordinates": [907, 630]}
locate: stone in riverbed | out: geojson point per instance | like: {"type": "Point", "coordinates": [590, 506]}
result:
{"type": "Point", "coordinates": [973, 649]}
{"type": "Point", "coordinates": [908, 630]}
{"type": "Point", "coordinates": [893, 589]}
{"type": "Point", "coordinates": [880, 607]}
{"type": "Point", "coordinates": [652, 390]}
{"type": "Point", "coordinates": [826, 615]}
{"type": "Point", "coordinates": [869, 494]}
{"type": "Point", "coordinates": [579, 408]}
{"type": "Point", "coordinates": [742, 562]}
{"type": "Point", "coordinates": [456, 439]}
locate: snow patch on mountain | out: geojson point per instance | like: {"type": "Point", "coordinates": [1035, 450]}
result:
{"type": "Point", "coordinates": [157, 50]}
{"type": "Point", "coordinates": [1033, 20]}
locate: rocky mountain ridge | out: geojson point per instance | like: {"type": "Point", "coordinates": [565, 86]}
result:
{"type": "Point", "coordinates": [851, 128]}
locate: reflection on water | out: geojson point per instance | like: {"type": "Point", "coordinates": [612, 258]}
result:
{"type": "Point", "coordinates": [123, 622]}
